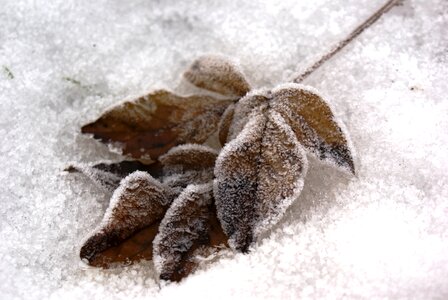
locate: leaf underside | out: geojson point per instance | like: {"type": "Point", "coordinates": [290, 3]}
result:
{"type": "Point", "coordinates": [151, 125]}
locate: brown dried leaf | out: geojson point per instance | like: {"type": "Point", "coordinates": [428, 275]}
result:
{"type": "Point", "coordinates": [224, 124]}
{"type": "Point", "coordinates": [217, 74]}
{"type": "Point", "coordinates": [188, 157]}
{"type": "Point", "coordinates": [258, 175]}
{"type": "Point", "coordinates": [135, 248]}
{"type": "Point", "coordinates": [259, 172]}
{"type": "Point", "coordinates": [151, 125]}
{"type": "Point", "coordinates": [138, 204]}
{"type": "Point", "coordinates": [314, 124]}
{"type": "Point", "coordinates": [189, 228]}
{"type": "Point", "coordinates": [182, 165]}
{"type": "Point", "coordinates": [243, 109]}
{"type": "Point", "coordinates": [109, 175]}
{"type": "Point", "coordinates": [188, 164]}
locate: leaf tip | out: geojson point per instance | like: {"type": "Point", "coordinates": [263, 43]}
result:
{"type": "Point", "coordinates": [352, 168]}
{"type": "Point", "coordinates": [85, 129]}
{"type": "Point", "coordinates": [92, 247]}
{"type": "Point", "coordinates": [343, 157]}
{"type": "Point", "coordinates": [219, 74]}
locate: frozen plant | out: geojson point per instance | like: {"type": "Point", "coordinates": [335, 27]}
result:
{"type": "Point", "coordinates": [179, 200]}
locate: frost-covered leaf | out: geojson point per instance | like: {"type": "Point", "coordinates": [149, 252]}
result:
{"type": "Point", "coordinates": [309, 116]}
{"type": "Point", "coordinates": [255, 100]}
{"type": "Point", "coordinates": [258, 175]}
{"type": "Point", "coordinates": [182, 165]}
{"type": "Point", "coordinates": [109, 175]}
{"type": "Point", "coordinates": [224, 124]}
{"type": "Point", "coordinates": [138, 246]}
{"type": "Point", "coordinates": [151, 125]}
{"type": "Point", "coordinates": [189, 228]}
{"type": "Point", "coordinates": [188, 157]}
{"type": "Point", "coordinates": [139, 203]}
{"type": "Point", "coordinates": [314, 124]}
{"type": "Point", "coordinates": [188, 164]}
{"type": "Point", "coordinates": [217, 74]}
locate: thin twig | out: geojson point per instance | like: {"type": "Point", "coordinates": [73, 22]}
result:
{"type": "Point", "coordinates": [8, 72]}
{"type": "Point", "coordinates": [74, 81]}
{"type": "Point", "coordinates": [358, 30]}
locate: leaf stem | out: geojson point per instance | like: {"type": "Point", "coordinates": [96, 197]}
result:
{"type": "Point", "coordinates": [357, 31]}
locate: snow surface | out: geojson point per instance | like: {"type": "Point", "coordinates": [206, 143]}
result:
{"type": "Point", "coordinates": [383, 234]}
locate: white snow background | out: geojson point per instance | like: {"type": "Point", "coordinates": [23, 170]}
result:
{"type": "Point", "coordinates": [383, 234]}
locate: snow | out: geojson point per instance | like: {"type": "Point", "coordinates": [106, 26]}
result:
{"type": "Point", "coordinates": [383, 234]}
